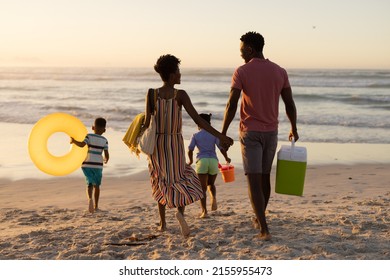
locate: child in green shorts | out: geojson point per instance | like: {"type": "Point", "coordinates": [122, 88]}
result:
{"type": "Point", "coordinates": [206, 162]}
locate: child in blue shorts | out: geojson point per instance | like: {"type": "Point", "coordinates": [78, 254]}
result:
{"type": "Point", "coordinates": [206, 162]}
{"type": "Point", "coordinates": [93, 165]}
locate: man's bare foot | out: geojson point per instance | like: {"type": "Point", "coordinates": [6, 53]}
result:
{"type": "Point", "coordinates": [255, 223]}
{"type": "Point", "coordinates": [90, 206]}
{"type": "Point", "coordinates": [214, 205]}
{"type": "Point", "coordinates": [264, 236]}
{"type": "Point", "coordinates": [203, 215]}
{"type": "Point", "coordinates": [185, 230]}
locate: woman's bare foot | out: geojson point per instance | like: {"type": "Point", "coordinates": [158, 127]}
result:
{"type": "Point", "coordinates": [185, 230]}
{"type": "Point", "coordinates": [162, 227]}
{"type": "Point", "coordinates": [90, 206]}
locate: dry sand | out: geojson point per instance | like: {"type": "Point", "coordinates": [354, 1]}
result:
{"type": "Point", "coordinates": [343, 214]}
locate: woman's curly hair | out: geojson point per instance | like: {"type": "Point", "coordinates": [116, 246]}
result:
{"type": "Point", "coordinates": [166, 65]}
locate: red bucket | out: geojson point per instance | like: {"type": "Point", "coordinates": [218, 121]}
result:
{"type": "Point", "coordinates": [227, 172]}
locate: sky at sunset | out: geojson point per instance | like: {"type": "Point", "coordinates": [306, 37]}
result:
{"type": "Point", "coordinates": [202, 33]}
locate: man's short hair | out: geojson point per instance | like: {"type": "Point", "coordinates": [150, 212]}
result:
{"type": "Point", "coordinates": [254, 40]}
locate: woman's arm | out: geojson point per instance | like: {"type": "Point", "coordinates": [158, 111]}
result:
{"type": "Point", "coordinates": [185, 101]}
{"type": "Point", "coordinates": [147, 108]}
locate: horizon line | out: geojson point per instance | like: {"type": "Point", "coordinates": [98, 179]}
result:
{"type": "Point", "coordinates": [191, 67]}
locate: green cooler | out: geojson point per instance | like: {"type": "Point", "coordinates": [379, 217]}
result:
{"type": "Point", "coordinates": [291, 170]}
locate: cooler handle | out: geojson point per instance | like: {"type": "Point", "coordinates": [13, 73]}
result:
{"type": "Point", "coordinates": [292, 149]}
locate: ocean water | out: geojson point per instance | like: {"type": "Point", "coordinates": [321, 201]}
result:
{"type": "Point", "coordinates": [334, 106]}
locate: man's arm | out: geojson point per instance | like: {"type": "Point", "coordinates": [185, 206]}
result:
{"type": "Point", "coordinates": [291, 112]}
{"type": "Point", "coordinates": [231, 109]}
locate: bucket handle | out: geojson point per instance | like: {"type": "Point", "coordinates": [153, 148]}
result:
{"type": "Point", "coordinates": [220, 166]}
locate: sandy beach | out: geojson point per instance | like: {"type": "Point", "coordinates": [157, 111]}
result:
{"type": "Point", "coordinates": [344, 214]}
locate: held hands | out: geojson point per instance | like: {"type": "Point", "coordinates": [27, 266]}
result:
{"type": "Point", "coordinates": [225, 142]}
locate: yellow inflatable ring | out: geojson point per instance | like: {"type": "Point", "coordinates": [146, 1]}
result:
{"type": "Point", "coordinates": [39, 136]}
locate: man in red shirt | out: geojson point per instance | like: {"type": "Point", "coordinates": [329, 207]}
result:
{"type": "Point", "coordinates": [261, 82]}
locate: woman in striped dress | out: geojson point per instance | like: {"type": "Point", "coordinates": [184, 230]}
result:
{"type": "Point", "coordinates": [174, 183]}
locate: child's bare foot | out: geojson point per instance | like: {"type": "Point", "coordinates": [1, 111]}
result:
{"type": "Point", "coordinates": [214, 205]}
{"type": "Point", "coordinates": [203, 215]}
{"type": "Point", "coordinates": [255, 223]}
{"type": "Point", "coordinates": [185, 230]}
{"type": "Point", "coordinates": [264, 236]}
{"type": "Point", "coordinates": [90, 206]}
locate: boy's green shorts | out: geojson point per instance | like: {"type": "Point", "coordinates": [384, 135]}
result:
{"type": "Point", "coordinates": [207, 166]}
{"type": "Point", "coordinates": [93, 176]}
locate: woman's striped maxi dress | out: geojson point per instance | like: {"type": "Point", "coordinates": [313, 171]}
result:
{"type": "Point", "coordinates": [174, 182]}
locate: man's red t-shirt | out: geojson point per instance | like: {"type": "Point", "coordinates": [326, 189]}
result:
{"type": "Point", "coordinates": [261, 82]}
